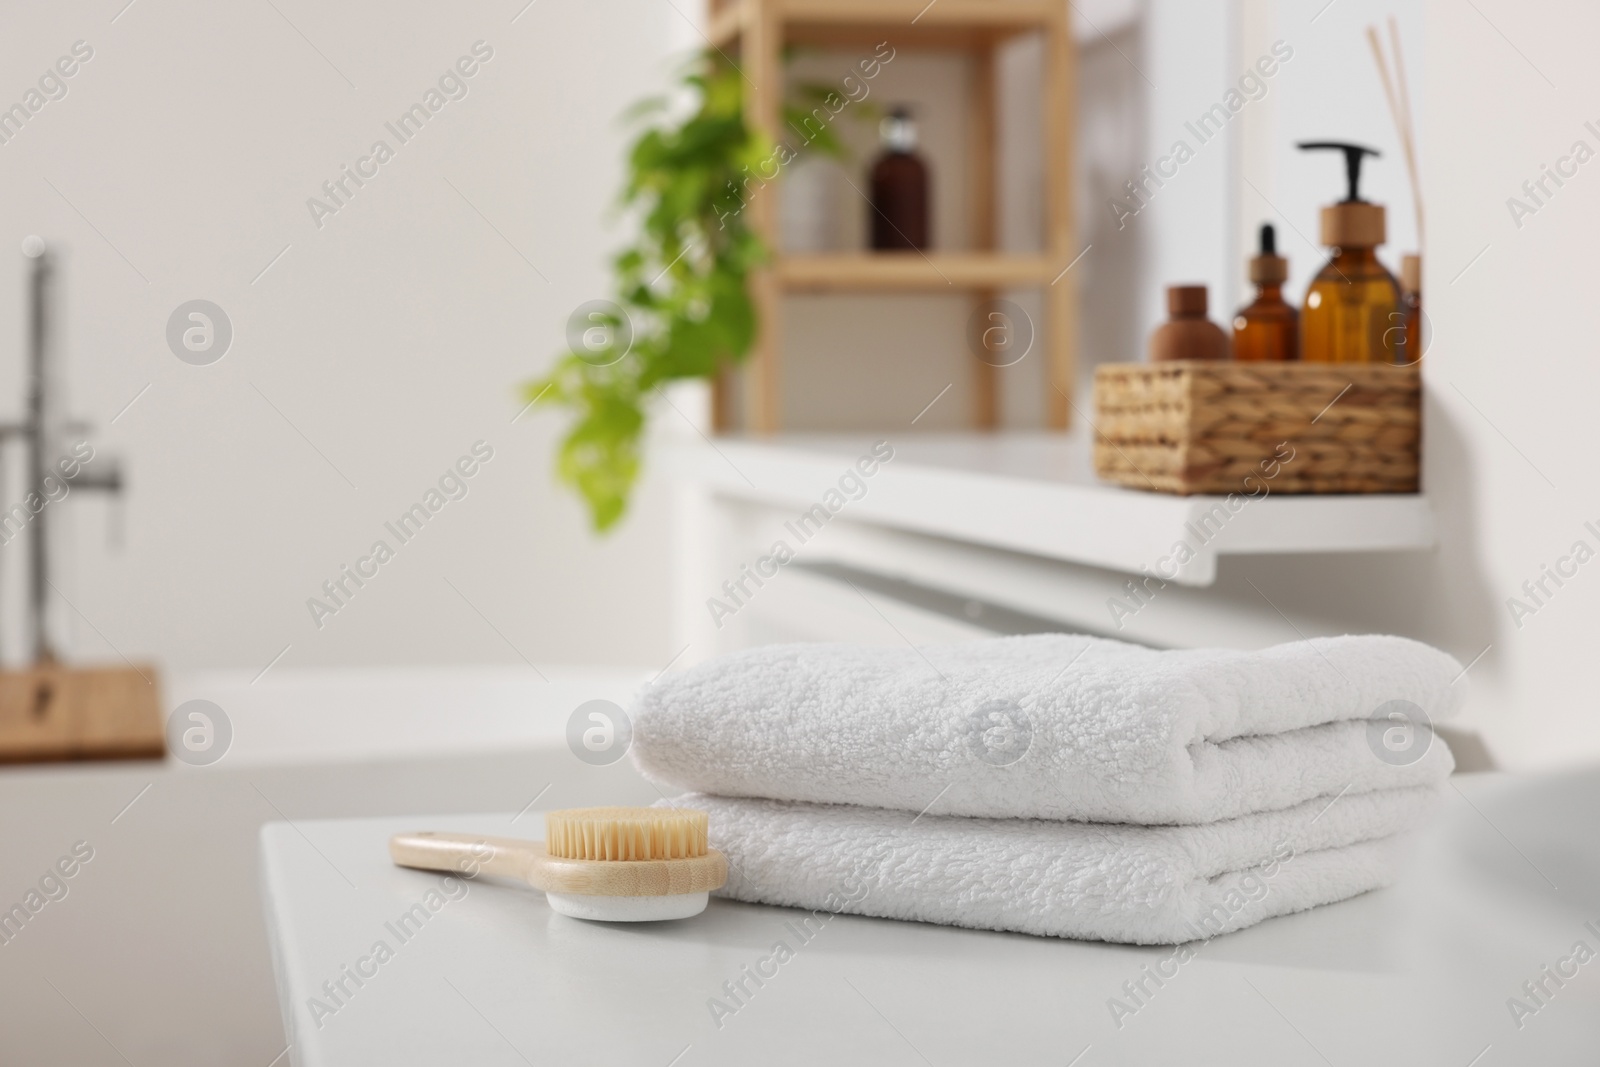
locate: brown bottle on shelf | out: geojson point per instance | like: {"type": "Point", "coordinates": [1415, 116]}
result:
{"type": "Point", "coordinates": [1411, 310]}
{"type": "Point", "coordinates": [1268, 329]}
{"type": "Point", "coordinates": [1188, 334]}
{"type": "Point", "coordinates": [899, 215]}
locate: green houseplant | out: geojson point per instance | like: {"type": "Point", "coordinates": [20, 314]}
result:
{"type": "Point", "coordinates": [682, 307]}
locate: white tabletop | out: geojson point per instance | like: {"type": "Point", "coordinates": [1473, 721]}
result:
{"type": "Point", "coordinates": [1418, 974]}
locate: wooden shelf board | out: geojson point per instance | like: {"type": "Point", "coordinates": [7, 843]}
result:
{"type": "Point", "coordinates": [868, 35]}
{"type": "Point", "coordinates": [912, 271]}
{"type": "Point", "coordinates": [724, 27]}
{"type": "Point", "coordinates": [908, 13]}
{"type": "Point", "coordinates": [848, 23]}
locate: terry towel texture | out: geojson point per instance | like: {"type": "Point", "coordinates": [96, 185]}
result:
{"type": "Point", "coordinates": [1137, 884]}
{"type": "Point", "coordinates": [1046, 726]}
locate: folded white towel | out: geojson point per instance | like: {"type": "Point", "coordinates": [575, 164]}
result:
{"type": "Point", "coordinates": [1049, 726]}
{"type": "Point", "coordinates": [1145, 885]}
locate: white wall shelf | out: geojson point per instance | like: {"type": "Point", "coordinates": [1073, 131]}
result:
{"type": "Point", "coordinates": [1037, 494]}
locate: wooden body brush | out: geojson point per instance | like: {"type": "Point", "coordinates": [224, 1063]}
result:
{"type": "Point", "coordinates": [609, 864]}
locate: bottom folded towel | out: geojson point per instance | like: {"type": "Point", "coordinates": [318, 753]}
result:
{"type": "Point", "coordinates": [1145, 885]}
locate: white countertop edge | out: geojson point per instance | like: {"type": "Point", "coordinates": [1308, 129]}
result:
{"type": "Point", "coordinates": [1072, 517]}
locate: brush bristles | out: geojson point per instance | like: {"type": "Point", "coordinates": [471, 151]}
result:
{"type": "Point", "coordinates": [625, 834]}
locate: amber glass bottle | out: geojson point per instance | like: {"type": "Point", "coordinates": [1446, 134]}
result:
{"type": "Point", "coordinates": [1350, 310]}
{"type": "Point", "coordinates": [1414, 324]}
{"type": "Point", "coordinates": [1353, 304]}
{"type": "Point", "coordinates": [1268, 329]}
{"type": "Point", "coordinates": [899, 215]}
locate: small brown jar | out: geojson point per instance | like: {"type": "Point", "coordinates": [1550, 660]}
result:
{"type": "Point", "coordinates": [1189, 334]}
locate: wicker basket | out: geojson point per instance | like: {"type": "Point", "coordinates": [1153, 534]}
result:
{"type": "Point", "coordinates": [1207, 427]}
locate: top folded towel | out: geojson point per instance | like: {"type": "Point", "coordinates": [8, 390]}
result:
{"type": "Point", "coordinates": [1053, 726]}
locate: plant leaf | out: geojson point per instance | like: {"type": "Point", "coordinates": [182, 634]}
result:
{"type": "Point", "coordinates": [681, 286]}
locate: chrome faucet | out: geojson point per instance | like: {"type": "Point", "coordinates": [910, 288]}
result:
{"type": "Point", "coordinates": [38, 432]}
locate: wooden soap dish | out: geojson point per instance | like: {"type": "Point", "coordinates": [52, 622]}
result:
{"type": "Point", "coordinates": [56, 712]}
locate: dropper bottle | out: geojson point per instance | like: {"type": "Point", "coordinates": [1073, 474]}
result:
{"type": "Point", "coordinates": [1268, 329]}
{"type": "Point", "coordinates": [1353, 302]}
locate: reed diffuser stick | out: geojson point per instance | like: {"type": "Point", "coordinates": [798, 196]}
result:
{"type": "Point", "coordinates": [1400, 109]}
{"type": "Point", "coordinates": [1410, 139]}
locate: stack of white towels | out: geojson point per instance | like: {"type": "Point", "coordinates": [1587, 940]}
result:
{"type": "Point", "coordinates": [1058, 785]}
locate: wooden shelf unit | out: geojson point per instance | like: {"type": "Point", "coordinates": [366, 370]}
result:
{"type": "Point", "coordinates": [759, 30]}
{"type": "Point", "coordinates": [908, 271]}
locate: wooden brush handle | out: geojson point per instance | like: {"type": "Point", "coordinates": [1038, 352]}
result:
{"type": "Point", "coordinates": [527, 861]}
{"type": "Point", "coordinates": [467, 854]}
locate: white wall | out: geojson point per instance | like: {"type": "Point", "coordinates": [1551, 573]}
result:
{"type": "Point", "coordinates": [1512, 373]}
{"type": "Point", "coordinates": [1187, 64]}
{"type": "Point", "coordinates": [389, 340]}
